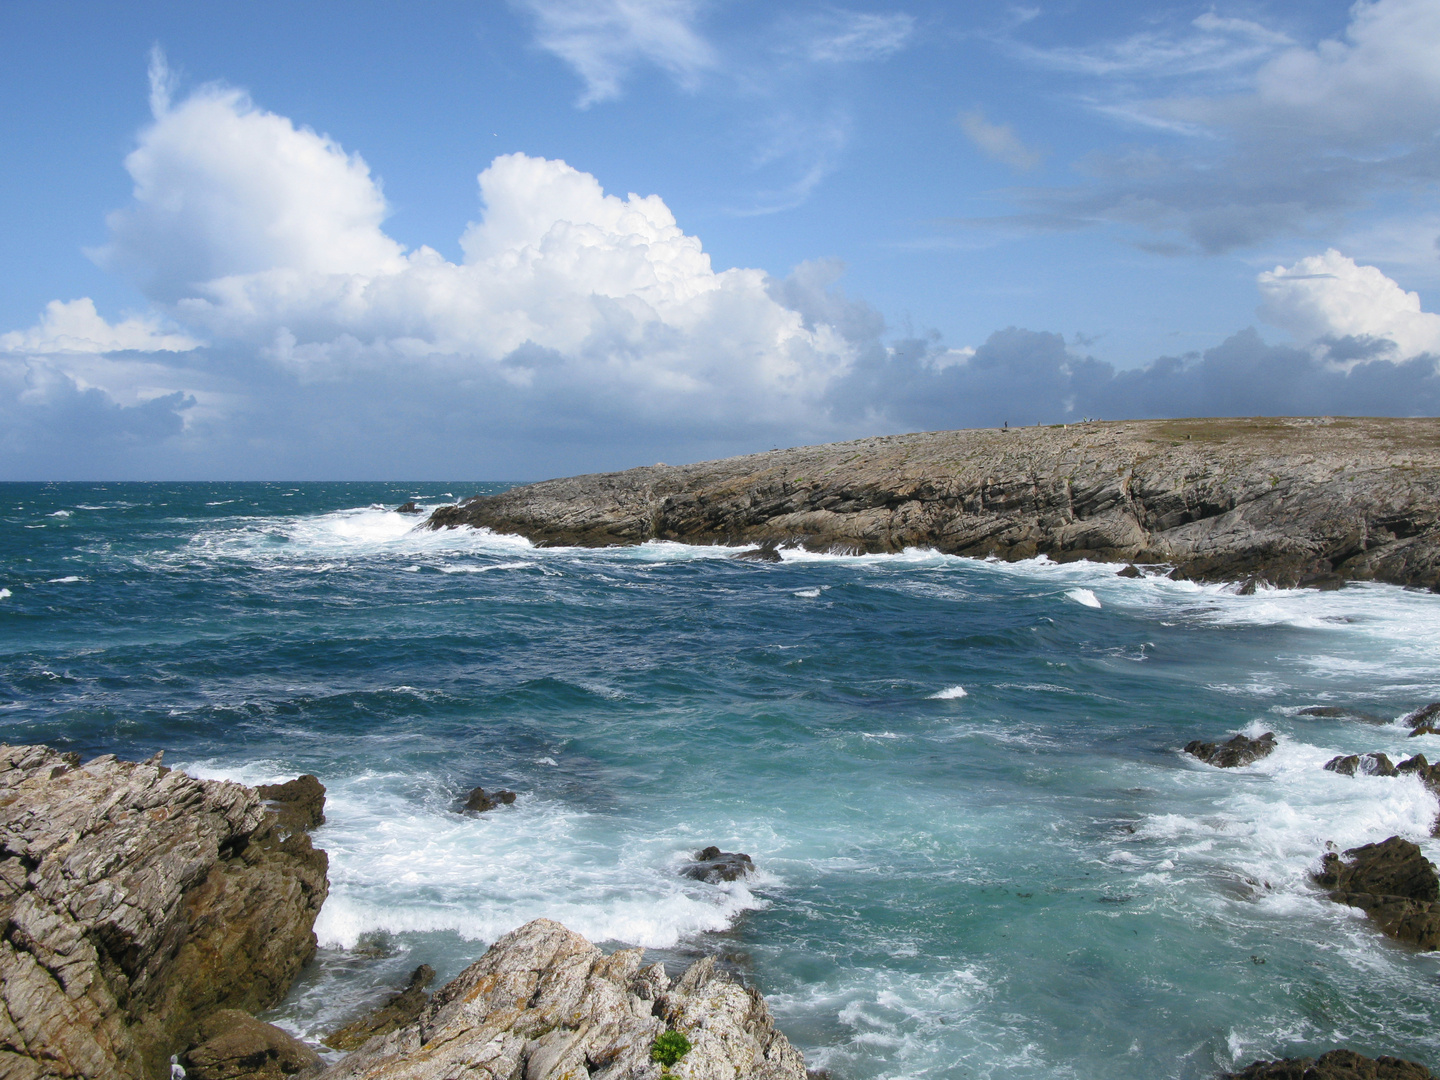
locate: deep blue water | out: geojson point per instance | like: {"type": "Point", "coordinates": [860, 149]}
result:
{"type": "Point", "coordinates": [980, 851]}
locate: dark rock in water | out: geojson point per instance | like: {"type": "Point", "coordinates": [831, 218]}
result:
{"type": "Point", "coordinates": [236, 1046]}
{"type": "Point", "coordinates": [138, 902]}
{"type": "Point", "coordinates": [1336, 1065]}
{"type": "Point", "coordinates": [1424, 721]}
{"type": "Point", "coordinates": [766, 552]}
{"type": "Point", "coordinates": [1339, 712]}
{"type": "Point", "coordinates": [1363, 764]}
{"type": "Point", "coordinates": [1238, 751]}
{"type": "Point", "coordinates": [546, 1004]}
{"type": "Point", "coordinates": [478, 801]}
{"type": "Point", "coordinates": [399, 1009]}
{"type": "Point", "coordinates": [1393, 883]}
{"type": "Point", "coordinates": [407, 508]}
{"type": "Point", "coordinates": [1130, 571]}
{"type": "Point", "coordinates": [714, 865]}
{"type": "Point", "coordinates": [298, 803]}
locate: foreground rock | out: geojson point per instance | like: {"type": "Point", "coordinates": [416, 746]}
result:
{"type": "Point", "coordinates": [1336, 1065]}
{"type": "Point", "coordinates": [236, 1046]}
{"type": "Point", "coordinates": [1393, 883]}
{"type": "Point", "coordinates": [545, 1004]}
{"type": "Point", "coordinates": [713, 865]}
{"type": "Point", "coordinates": [1281, 501]}
{"type": "Point", "coordinates": [1240, 750]}
{"type": "Point", "coordinates": [137, 902]}
{"type": "Point", "coordinates": [399, 1009]}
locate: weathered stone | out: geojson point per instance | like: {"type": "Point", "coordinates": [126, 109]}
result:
{"type": "Point", "coordinates": [714, 865]}
{"type": "Point", "coordinates": [1276, 501]}
{"type": "Point", "coordinates": [1241, 750]}
{"type": "Point", "coordinates": [545, 1004]}
{"type": "Point", "coordinates": [399, 1009]}
{"type": "Point", "coordinates": [298, 803]}
{"type": "Point", "coordinates": [235, 1046]}
{"type": "Point", "coordinates": [135, 902]}
{"type": "Point", "coordinates": [1393, 883]}
{"type": "Point", "coordinates": [1362, 764]}
{"type": "Point", "coordinates": [1335, 1065]}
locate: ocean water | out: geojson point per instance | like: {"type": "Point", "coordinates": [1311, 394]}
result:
{"type": "Point", "coordinates": [980, 850]}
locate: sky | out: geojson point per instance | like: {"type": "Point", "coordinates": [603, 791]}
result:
{"type": "Point", "coordinates": [510, 240]}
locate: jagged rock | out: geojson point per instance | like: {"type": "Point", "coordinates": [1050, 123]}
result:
{"type": "Point", "coordinates": [136, 901]}
{"type": "Point", "coordinates": [1240, 750]}
{"type": "Point", "coordinates": [1393, 883]}
{"type": "Point", "coordinates": [1424, 721]}
{"type": "Point", "coordinates": [545, 1004]}
{"type": "Point", "coordinates": [1363, 764]}
{"type": "Point", "coordinates": [235, 1046]}
{"type": "Point", "coordinates": [478, 801]}
{"type": "Point", "coordinates": [1275, 501]}
{"type": "Point", "coordinates": [766, 552]}
{"type": "Point", "coordinates": [1339, 712]}
{"type": "Point", "coordinates": [1335, 1065]}
{"type": "Point", "coordinates": [399, 1009]}
{"type": "Point", "coordinates": [298, 803]}
{"type": "Point", "coordinates": [1130, 571]}
{"type": "Point", "coordinates": [714, 865]}
{"type": "Point", "coordinates": [407, 508]}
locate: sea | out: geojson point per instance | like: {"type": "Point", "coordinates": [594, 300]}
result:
{"type": "Point", "coordinates": [980, 849]}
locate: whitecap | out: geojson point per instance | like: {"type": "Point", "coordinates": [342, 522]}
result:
{"type": "Point", "coordinates": [950, 693]}
{"type": "Point", "coordinates": [1083, 596]}
{"type": "Point", "coordinates": [63, 580]}
{"type": "Point", "coordinates": [808, 594]}
{"type": "Point", "coordinates": [5, 594]}
{"type": "Point", "coordinates": [59, 514]}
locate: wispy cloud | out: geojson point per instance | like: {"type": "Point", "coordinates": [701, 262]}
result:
{"type": "Point", "coordinates": [998, 141]}
{"type": "Point", "coordinates": [835, 37]}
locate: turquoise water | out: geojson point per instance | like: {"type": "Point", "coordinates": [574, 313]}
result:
{"type": "Point", "coordinates": [980, 851]}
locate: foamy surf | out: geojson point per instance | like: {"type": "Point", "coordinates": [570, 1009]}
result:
{"type": "Point", "coordinates": [950, 693]}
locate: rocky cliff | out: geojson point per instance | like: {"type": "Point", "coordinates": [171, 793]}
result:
{"type": "Point", "coordinates": [138, 902]}
{"type": "Point", "coordinates": [545, 1004]}
{"type": "Point", "coordinates": [1285, 501]}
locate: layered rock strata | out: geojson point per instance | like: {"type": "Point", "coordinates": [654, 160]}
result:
{"type": "Point", "coordinates": [545, 1004]}
{"type": "Point", "coordinates": [1286, 501]}
{"type": "Point", "coordinates": [136, 903]}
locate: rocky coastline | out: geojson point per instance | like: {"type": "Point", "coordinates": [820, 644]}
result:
{"type": "Point", "coordinates": [1281, 501]}
{"type": "Point", "coordinates": [149, 915]}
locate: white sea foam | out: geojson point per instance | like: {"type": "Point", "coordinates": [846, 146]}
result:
{"type": "Point", "coordinates": [949, 693]}
{"type": "Point", "coordinates": [807, 594]}
{"type": "Point", "coordinates": [64, 580]}
{"type": "Point", "coordinates": [1084, 596]}
{"type": "Point", "coordinates": [59, 514]}
{"type": "Point", "coordinates": [5, 594]}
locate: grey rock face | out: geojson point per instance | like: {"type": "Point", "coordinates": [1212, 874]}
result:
{"type": "Point", "coordinates": [545, 1004]}
{"type": "Point", "coordinates": [137, 901]}
{"type": "Point", "coordinates": [1301, 501]}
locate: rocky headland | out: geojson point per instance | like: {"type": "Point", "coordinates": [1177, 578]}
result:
{"type": "Point", "coordinates": [1288, 501]}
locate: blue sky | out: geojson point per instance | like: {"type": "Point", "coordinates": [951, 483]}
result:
{"type": "Point", "coordinates": [249, 241]}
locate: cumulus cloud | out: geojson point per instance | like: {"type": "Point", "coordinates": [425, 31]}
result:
{"type": "Point", "coordinates": [998, 141]}
{"type": "Point", "coordinates": [604, 39]}
{"type": "Point", "coordinates": [76, 327]}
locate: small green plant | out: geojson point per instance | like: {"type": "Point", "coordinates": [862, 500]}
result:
{"type": "Point", "coordinates": [670, 1047]}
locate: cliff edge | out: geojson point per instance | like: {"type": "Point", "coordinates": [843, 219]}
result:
{"type": "Point", "coordinates": [1284, 501]}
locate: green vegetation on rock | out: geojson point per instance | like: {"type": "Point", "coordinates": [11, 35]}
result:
{"type": "Point", "coordinates": [670, 1047]}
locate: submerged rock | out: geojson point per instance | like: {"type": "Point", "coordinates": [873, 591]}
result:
{"type": "Point", "coordinates": [399, 1009]}
{"type": "Point", "coordinates": [137, 902]}
{"type": "Point", "coordinates": [1393, 883]}
{"type": "Point", "coordinates": [1335, 1065]}
{"type": "Point", "coordinates": [545, 1004]}
{"type": "Point", "coordinates": [478, 801]}
{"type": "Point", "coordinates": [1339, 712]}
{"type": "Point", "coordinates": [1362, 764]}
{"type": "Point", "coordinates": [236, 1046]}
{"type": "Point", "coordinates": [1240, 750]}
{"type": "Point", "coordinates": [714, 865]}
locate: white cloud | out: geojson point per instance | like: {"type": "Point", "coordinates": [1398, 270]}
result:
{"type": "Point", "coordinates": [76, 327]}
{"type": "Point", "coordinates": [1329, 296]}
{"type": "Point", "coordinates": [851, 36]}
{"type": "Point", "coordinates": [604, 39]}
{"type": "Point", "coordinates": [998, 141]}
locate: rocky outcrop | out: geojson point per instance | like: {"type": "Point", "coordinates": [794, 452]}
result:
{"type": "Point", "coordinates": [1393, 883]}
{"type": "Point", "coordinates": [1424, 721]}
{"type": "Point", "coordinates": [399, 1009]}
{"type": "Point", "coordinates": [1241, 750]}
{"type": "Point", "coordinates": [545, 1004]}
{"type": "Point", "coordinates": [236, 1046]}
{"type": "Point", "coordinates": [1285, 501]}
{"type": "Point", "coordinates": [713, 865]}
{"type": "Point", "coordinates": [136, 902]}
{"type": "Point", "coordinates": [1362, 765]}
{"type": "Point", "coordinates": [478, 801]}
{"type": "Point", "coordinates": [298, 804]}
{"type": "Point", "coordinates": [1336, 1065]}
{"type": "Point", "coordinates": [407, 508]}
